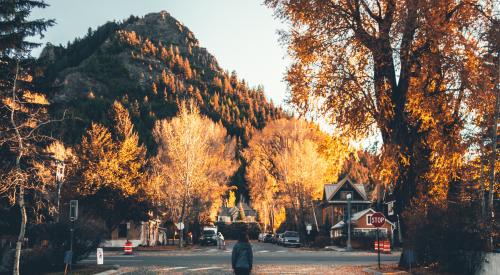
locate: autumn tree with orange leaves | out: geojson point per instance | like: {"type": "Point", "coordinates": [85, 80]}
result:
{"type": "Point", "coordinates": [111, 171]}
{"type": "Point", "coordinates": [408, 70]}
{"type": "Point", "coordinates": [191, 172]}
{"type": "Point", "coordinates": [289, 162]}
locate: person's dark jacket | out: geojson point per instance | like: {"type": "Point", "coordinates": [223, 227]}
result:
{"type": "Point", "coordinates": [242, 256]}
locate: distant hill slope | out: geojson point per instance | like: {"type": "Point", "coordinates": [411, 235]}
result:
{"type": "Point", "coordinates": [149, 64]}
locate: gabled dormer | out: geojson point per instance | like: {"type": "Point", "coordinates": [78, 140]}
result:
{"type": "Point", "coordinates": [337, 193]}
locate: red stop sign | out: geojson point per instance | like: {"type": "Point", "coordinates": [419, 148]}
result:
{"type": "Point", "coordinates": [378, 219]}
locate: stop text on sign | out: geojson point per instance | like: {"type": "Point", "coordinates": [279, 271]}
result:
{"type": "Point", "coordinates": [376, 219]}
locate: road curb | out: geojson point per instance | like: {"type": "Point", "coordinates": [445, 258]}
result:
{"type": "Point", "coordinates": [108, 272]}
{"type": "Point", "coordinates": [334, 248]}
{"type": "Point", "coordinates": [376, 272]}
{"type": "Point", "coordinates": [115, 270]}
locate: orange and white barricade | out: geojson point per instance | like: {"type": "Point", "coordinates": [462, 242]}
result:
{"type": "Point", "coordinates": [127, 249]}
{"type": "Point", "coordinates": [387, 247]}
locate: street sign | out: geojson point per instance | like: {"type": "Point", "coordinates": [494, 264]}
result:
{"type": "Point", "coordinates": [180, 225]}
{"type": "Point", "coordinates": [73, 210]}
{"type": "Point", "coordinates": [308, 228]}
{"type": "Point", "coordinates": [390, 208]}
{"type": "Point", "coordinates": [100, 256]}
{"type": "Point", "coordinates": [378, 219]}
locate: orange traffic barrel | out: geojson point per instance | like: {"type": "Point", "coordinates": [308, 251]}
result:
{"type": "Point", "coordinates": [387, 247]}
{"type": "Point", "coordinates": [127, 249]}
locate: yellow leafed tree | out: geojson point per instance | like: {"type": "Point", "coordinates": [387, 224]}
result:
{"type": "Point", "coordinates": [117, 163]}
{"type": "Point", "coordinates": [289, 162]}
{"type": "Point", "coordinates": [195, 159]}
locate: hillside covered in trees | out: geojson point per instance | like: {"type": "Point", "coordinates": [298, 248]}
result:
{"type": "Point", "coordinates": [149, 65]}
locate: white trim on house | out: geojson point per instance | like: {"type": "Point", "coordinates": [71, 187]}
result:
{"type": "Point", "coordinates": [337, 186]}
{"type": "Point", "coordinates": [369, 229]}
{"type": "Point", "coordinates": [356, 216]}
{"type": "Point", "coordinates": [120, 243]}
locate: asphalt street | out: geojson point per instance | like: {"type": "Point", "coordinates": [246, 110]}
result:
{"type": "Point", "coordinates": [204, 259]}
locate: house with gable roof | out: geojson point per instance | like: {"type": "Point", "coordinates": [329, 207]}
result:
{"type": "Point", "coordinates": [334, 203]}
{"type": "Point", "coordinates": [362, 226]}
{"type": "Point", "coordinates": [232, 214]}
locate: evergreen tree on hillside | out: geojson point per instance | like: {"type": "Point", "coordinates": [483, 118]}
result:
{"type": "Point", "coordinates": [15, 26]}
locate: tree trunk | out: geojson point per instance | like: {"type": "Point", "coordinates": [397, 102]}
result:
{"type": "Point", "coordinates": [181, 220]}
{"type": "Point", "coordinates": [20, 200]}
{"type": "Point", "coordinates": [22, 230]}
{"type": "Point", "coordinates": [493, 158]}
{"type": "Point", "coordinates": [482, 193]}
{"type": "Point", "coordinates": [272, 219]}
{"type": "Point", "coordinates": [494, 143]}
{"type": "Point", "coordinates": [265, 218]}
{"type": "Point", "coordinates": [314, 214]}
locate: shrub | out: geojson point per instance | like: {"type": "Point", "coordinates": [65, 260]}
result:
{"type": "Point", "coordinates": [452, 238]}
{"type": "Point", "coordinates": [321, 241]}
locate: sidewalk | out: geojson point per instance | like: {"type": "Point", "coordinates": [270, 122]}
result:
{"type": "Point", "coordinates": [335, 248]}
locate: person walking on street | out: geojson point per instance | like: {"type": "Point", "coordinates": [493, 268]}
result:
{"type": "Point", "coordinates": [242, 256]}
{"type": "Point", "coordinates": [221, 242]}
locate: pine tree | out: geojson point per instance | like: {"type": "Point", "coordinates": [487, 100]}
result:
{"type": "Point", "coordinates": [21, 110]}
{"type": "Point", "coordinates": [15, 26]}
{"type": "Point", "coordinates": [122, 122]}
{"type": "Point", "coordinates": [131, 155]}
{"type": "Point", "coordinates": [112, 168]}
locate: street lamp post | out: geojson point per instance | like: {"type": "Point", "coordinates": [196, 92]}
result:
{"type": "Point", "coordinates": [349, 247]}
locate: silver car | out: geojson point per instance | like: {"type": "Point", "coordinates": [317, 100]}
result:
{"type": "Point", "coordinates": [291, 238]}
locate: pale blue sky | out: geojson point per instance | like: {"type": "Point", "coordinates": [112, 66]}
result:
{"type": "Point", "coordinates": [241, 34]}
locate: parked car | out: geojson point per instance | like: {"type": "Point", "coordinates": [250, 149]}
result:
{"type": "Point", "coordinates": [268, 238]}
{"type": "Point", "coordinates": [291, 238]}
{"type": "Point", "coordinates": [264, 237]}
{"type": "Point", "coordinates": [208, 237]}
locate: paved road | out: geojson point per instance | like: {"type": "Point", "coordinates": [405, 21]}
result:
{"type": "Point", "coordinates": [204, 259]}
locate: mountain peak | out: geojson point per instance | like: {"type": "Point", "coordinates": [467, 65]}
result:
{"type": "Point", "coordinates": [162, 27]}
{"type": "Point", "coordinates": [149, 64]}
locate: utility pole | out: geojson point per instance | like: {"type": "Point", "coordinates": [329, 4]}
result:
{"type": "Point", "coordinates": [349, 197]}
{"type": "Point", "coordinates": [494, 138]}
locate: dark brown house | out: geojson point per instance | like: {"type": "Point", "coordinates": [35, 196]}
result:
{"type": "Point", "coordinates": [334, 203]}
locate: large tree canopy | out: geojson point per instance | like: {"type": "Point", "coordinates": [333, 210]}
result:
{"type": "Point", "coordinates": [410, 69]}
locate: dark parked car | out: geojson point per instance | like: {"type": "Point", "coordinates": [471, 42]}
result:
{"type": "Point", "coordinates": [208, 237]}
{"type": "Point", "coordinates": [268, 238]}
{"type": "Point", "coordinates": [290, 238]}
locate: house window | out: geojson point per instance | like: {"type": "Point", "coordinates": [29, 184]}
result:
{"type": "Point", "coordinates": [122, 230]}
{"type": "Point", "coordinates": [343, 195]}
